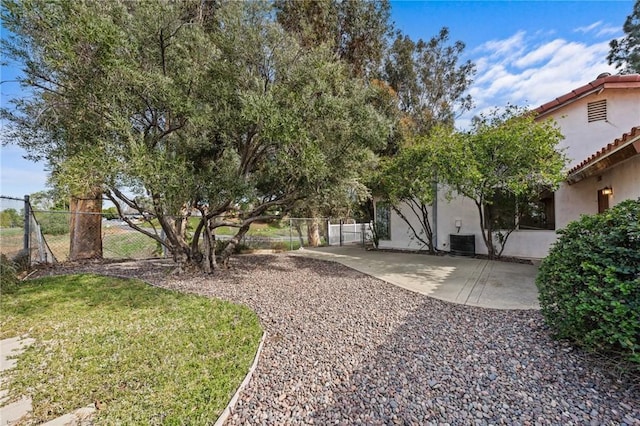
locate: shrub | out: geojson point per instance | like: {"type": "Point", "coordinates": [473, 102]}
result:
{"type": "Point", "coordinates": [54, 222]}
{"type": "Point", "coordinates": [590, 282]}
{"type": "Point", "coordinates": [21, 261]}
{"type": "Point", "coordinates": [8, 275]}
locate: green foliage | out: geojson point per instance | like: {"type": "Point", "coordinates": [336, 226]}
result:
{"type": "Point", "coordinates": [51, 199]}
{"type": "Point", "coordinates": [429, 80]}
{"type": "Point", "coordinates": [590, 282]}
{"type": "Point", "coordinates": [151, 356]}
{"type": "Point", "coordinates": [54, 222]}
{"type": "Point", "coordinates": [355, 30]}
{"type": "Point", "coordinates": [625, 53]}
{"type": "Point", "coordinates": [198, 105]}
{"type": "Point", "coordinates": [110, 213]}
{"type": "Point", "coordinates": [10, 218]}
{"type": "Point", "coordinates": [8, 275]}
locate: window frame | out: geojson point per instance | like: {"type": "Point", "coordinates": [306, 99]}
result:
{"type": "Point", "coordinates": [510, 212]}
{"type": "Point", "coordinates": [382, 220]}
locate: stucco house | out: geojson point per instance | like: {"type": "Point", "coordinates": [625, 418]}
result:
{"type": "Point", "coordinates": [601, 125]}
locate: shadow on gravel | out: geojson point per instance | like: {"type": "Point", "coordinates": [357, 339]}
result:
{"type": "Point", "coordinates": [464, 365]}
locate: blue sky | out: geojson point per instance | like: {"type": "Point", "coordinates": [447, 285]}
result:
{"type": "Point", "coordinates": [526, 52]}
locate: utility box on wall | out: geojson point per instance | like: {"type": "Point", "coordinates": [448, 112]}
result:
{"type": "Point", "coordinates": [462, 244]}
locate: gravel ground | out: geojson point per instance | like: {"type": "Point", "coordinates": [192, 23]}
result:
{"type": "Point", "coordinates": [345, 348]}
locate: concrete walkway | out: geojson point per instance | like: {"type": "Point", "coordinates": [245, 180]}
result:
{"type": "Point", "coordinates": [9, 349]}
{"type": "Point", "coordinates": [475, 282]}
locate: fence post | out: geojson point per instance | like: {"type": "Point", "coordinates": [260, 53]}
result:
{"type": "Point", "coordinates": [27, 224]}
{"type": "Point", "coordinates": [328, 222]}
{"type": "Point", "coordinates": [290, 234]}
{"type": "Point", "coordinates": [341, 236]}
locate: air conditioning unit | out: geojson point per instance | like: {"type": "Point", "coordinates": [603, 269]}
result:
{"type": "Point", "coordinates": [462, 244]}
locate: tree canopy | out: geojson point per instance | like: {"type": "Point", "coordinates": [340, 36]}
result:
{"type": "Point", "coordinates": [509, 157]}
{"type": "Point", "coordinates": [625, 53]}
{"type": "Point", "coordinates": [429, 80]}
{"type": "Point", "coordinates": [173, 108]}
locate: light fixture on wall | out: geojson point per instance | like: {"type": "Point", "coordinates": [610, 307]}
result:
{"type": "Point", "coordinates": [458, 224]}
{"type": "Point", "coordinates": [607, 190]}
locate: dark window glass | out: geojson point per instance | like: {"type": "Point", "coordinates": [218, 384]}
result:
{"type": "Point", "coordinates": [383, 220]}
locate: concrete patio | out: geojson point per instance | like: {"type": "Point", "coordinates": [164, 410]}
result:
{"type": "Point", "coordinates": [467, 281]}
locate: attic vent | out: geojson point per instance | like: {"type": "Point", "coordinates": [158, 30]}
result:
{"type": "Point", "coordinates": [597, 111]}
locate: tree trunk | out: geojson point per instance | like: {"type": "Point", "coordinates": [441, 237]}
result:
{"type": "Point", "coordinates": [313, 232]}
{"type": "Point", "coordinates": [486, 229]}
{"type": "Point", "coordinates": [86, 227]}
{"type": "Point", "coordinates": [209, 263]}
{"type": "Point", "coordinates": [233, 242]}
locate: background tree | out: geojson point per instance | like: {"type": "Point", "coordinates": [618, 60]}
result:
{"type": "Point", "coordinates": [429, 80]}
{"type": "Point", "coordinates": [509, 159]}
{"type": "Point", "coordinates": [50, 199]}
{"type": "Point", "coordinates": [11, 218]}
{"type": "Point", "coordinates": [355, 30]}
{"type": "Point", "coordinates": [625, 53]}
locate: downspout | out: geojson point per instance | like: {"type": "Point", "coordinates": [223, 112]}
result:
{"type": "Point", "coordinates": [434, 214]}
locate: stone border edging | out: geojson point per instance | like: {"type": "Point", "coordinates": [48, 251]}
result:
{"type": "Point", "coordinates": [232, 403]}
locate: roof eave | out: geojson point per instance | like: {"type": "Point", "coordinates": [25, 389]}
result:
{"type": "Point", "coordinates": [623, 152]}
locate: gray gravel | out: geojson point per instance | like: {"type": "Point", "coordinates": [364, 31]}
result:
{"type": "Point", "coordinates": [345, 348]}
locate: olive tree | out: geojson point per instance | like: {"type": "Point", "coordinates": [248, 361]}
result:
{"type": "Point", "coordinates": [192, 109]}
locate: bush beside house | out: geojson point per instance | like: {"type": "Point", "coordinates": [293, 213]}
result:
{"type": "Point", "coordinates": [590, 282]}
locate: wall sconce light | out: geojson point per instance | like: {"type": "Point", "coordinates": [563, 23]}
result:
{"type": "Point", "coordinates": [458, 224]}
{"type": "Point", "coordinates": [607, 190]}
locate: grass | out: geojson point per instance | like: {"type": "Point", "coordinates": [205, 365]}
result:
{"type": "Point", "coordinates": [150, 356]}
{"type": "Point", "coordinates": [116, 244]}
{"type": "Point", "coordinates": [11, 241]}
{"type": "Point", "coordinates": [120, 242]}
{"type": "Point", "coordinates": [130, 245]}
{"type": "Point", "coordinates": [260, 230]}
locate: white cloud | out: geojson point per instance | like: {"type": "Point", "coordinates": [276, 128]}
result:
{"type": "Point", "coordinates": [608, 31]}
{"type": "Point", "coordinates": [504, 48]}
{"type": "Point", "coordinates": [599, 29]}
{"type": "Point", "coordinates": [587, 28]}
{"type": "Point", "coordinates": [543, 52]}
{"type": "Point", "coordinates": [533, 72]}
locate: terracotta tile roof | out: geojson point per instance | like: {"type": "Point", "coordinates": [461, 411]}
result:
{"type": "Point", "coordinates": [607, 82]}
{"type": "Point", "coordinates": [609, 148]}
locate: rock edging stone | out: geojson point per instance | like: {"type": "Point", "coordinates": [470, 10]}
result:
{"type": "Point", "coordinates": [232, 403]}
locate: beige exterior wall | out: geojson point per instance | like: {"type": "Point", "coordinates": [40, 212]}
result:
{"type": "Point", "coordinates": [583, 138]}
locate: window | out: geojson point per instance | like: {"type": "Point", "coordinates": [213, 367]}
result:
{"type": "Point", "coordinates": [383, 220]}
{"type": "Point", "coordinates": [539, 213]}
{"type": "Point", "coordinates": [597, 111]}
{"type": "Point", "coordinates": [501, 213]}
{"type": "Point", "coordinates": [535, 214]}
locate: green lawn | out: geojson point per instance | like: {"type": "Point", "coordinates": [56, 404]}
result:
{"type": "Point", "coordinates": [151, 356]}
{"type": "Point", "coordinates": [11, 241]}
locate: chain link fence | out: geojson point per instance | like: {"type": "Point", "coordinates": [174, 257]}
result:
{"type": "Point", "coordinates": [44, 236]}
{"type": "Point", "coordinates": [20, 236]}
